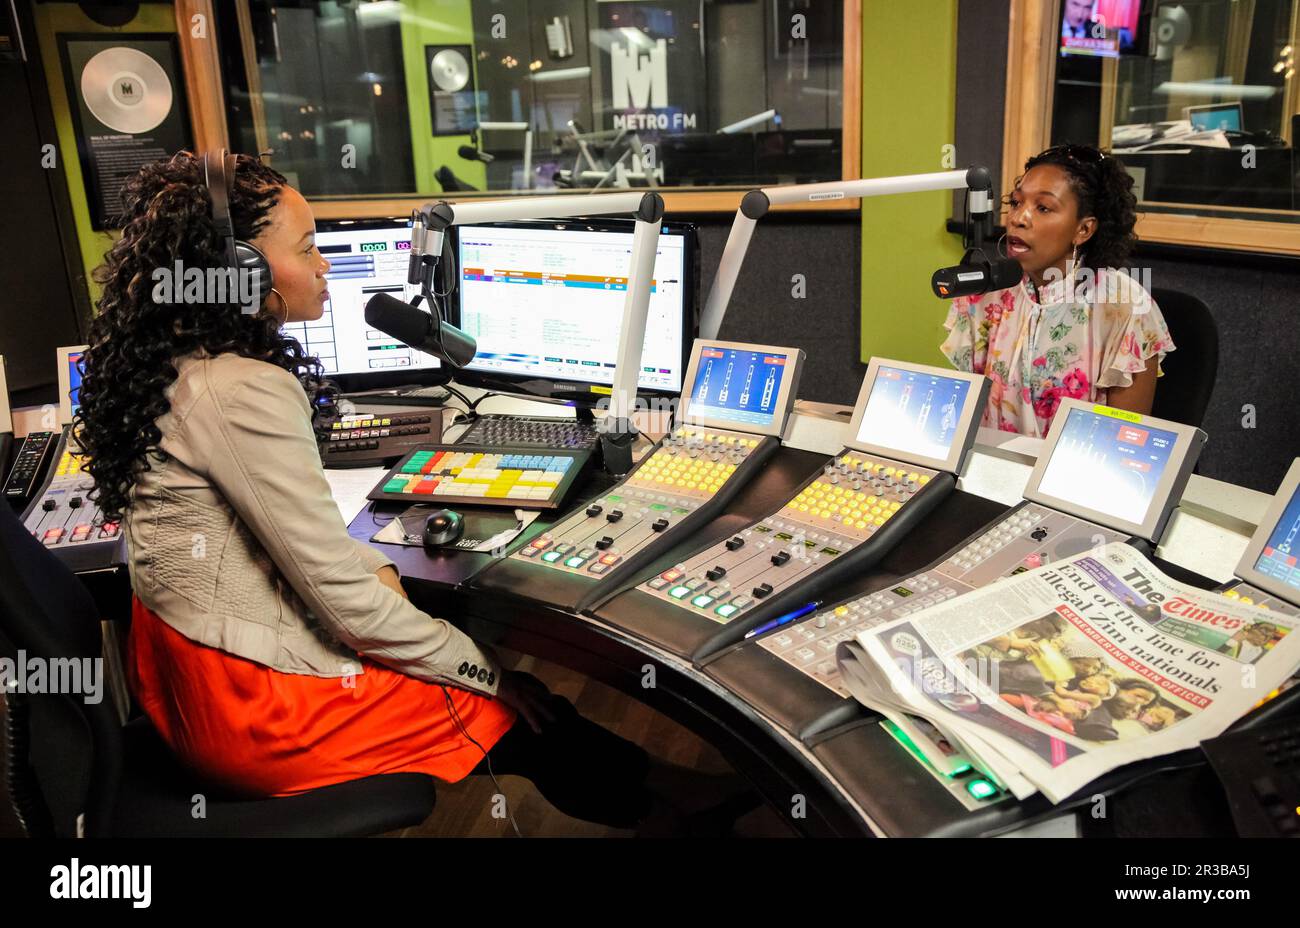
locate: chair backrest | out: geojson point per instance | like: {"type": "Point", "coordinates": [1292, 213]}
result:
{"type": "Point", "coordinates": [71, 761]}
{"type": "Point", "coordinates": [1183, 393]}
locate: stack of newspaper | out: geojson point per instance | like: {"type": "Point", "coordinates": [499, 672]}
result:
{"type": "Point", "coordinates": [1050, 678]}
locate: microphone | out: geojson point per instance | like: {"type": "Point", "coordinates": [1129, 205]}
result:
{"type": "Point", "coordinates": [414, 268]}
{"type": "Point", "coordinates": [420, 330]}
{"type": "Point", "coordinates": [450, 183]}
{"type": "Point", "coordinates": [470, 153]}
{"type": "Point", "coordinates": [977, 274]}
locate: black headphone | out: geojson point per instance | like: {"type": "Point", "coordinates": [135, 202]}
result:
{"type": "Point", "coordinates": [241, 256]}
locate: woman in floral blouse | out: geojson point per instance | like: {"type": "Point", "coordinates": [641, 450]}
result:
{"type": "Point", "coordinates": [1075, 326]}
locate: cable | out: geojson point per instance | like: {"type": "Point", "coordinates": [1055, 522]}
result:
{"type": "Point", "coordinates": [460, 396]}
{"type": "Point", "coordinates": [455, 717]}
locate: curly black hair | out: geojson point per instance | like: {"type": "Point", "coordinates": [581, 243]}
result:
{"type": "Point", "coordinates": [1105, 190]}
{"type": "Point", "coordinates": [135, 340]}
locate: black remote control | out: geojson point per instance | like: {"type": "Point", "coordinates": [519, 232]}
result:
{"type": "Point", "coordinates": [29, 465]}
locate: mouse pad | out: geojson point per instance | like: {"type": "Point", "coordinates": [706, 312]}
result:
{"type": "Point", "coordinates": [484, 530]}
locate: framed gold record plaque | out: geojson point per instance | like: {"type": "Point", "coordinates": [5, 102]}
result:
{"type": "Point", "coordinates": [128, 108]}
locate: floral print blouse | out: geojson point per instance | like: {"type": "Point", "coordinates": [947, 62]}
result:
{"type": "Point", "coordinates": [1077, 342]}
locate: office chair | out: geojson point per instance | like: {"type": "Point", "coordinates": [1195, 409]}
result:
{"type": "Point", "coordinates": [1183, 393]}
{"type": "Point", "coordinates": [73, 768]}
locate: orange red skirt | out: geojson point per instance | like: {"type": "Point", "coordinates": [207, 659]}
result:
{"type": "Point", "coordinates": [256, 730]}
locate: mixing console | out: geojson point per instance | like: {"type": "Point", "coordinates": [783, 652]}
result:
{"type": "Point", "coordinates": [616, 534]}
{"type": "Point", "coordinates": [729, 430]}
{"type": "Point", "coordinates": [63, 515]}
{"type": "Point", "coordinates": [844, 506]}
{"type": "Point", "coordinates": [1027, 537]}
{"type": "Point", "coordinates": [63, 518]}
{"type": "Point", "coordinates": [910, 430]}
{"type": "Point", "coordinates": [1049, 527]}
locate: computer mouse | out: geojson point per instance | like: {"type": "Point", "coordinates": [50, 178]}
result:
{"type": "Point", "coordinates": [442, 528]}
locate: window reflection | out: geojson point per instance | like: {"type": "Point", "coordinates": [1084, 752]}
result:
{"type": "Point", "coordinates": [424, 96]}
{"type": "Point", "coordinates": [1200, 101]}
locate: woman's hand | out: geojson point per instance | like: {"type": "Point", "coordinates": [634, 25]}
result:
{"type": "Point", "coordinates": [528, 696]}
{"type": "Point", "coordinates": [389, 577]}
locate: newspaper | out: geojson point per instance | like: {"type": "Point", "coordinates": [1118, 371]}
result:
{"type": "Point", "coordinates": [1050, 678]}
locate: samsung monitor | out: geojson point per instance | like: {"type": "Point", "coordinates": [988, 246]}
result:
{"type": "Point", "coordinates": [1220, 117]}
{"type": "Point", "coordinates": [69, 381]}
{"type": "Point", "coordinates": [749, 388]}
{"type": "Point", "coordinates": [544, 301]}
{"type": "Point", "coordinates": [366, 257]}
{"type": "Point", "coordinates": [922, 415]}
{"type": "Point", "coordinates": [1272, 559]}
{"type": "Point", "coordinates": [1118, 468]}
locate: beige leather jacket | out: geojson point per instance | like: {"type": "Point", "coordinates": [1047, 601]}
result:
{"type": "Point", "coordinates": [236, 542]}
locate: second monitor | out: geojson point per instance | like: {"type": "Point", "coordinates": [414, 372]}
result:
{"type": "Point", "coordinates": [544, 301]}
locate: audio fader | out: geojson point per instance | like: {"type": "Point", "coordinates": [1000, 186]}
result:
{"type": "Point", "coordinates": [911, 427]}
{"type": "Point", "coordinates": [738, 401]}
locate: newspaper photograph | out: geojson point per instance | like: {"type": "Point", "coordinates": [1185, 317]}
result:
{"type": "Point", "coordinates": [1070, 670]}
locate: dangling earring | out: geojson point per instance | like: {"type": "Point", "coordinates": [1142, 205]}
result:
{"type": "Point", "coordinates": [1074, 261]}
{"type": "Point", "coordinates": [283, 302]}
{"type": "Point", "coordinates": [1001, 251]}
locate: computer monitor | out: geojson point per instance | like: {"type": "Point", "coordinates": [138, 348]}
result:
{"type": "Point", "coordinates": [918, 414]}
{"type": "Point", "coordinates": [69, 381]}
{"type": "Point", "coordinates": [366, 257]}
{"type": "Point", "coordinates": [544, 300]}
{"type": "Point", "coordinates": [1114, 467]}
{"type": "Point", "coordinates": [1224, 117]}
{"type": "Point", "coordinates": [1272, 559]}
{"type": "Point", "coordinates": [733, 385]}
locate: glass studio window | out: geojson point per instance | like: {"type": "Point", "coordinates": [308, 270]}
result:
{"type": "Point", "coordinates": [386, 98]}
{"type": "Point", "coordinates": [1198, 99]}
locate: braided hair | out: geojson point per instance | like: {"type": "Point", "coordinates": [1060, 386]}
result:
{"type": "Point", "coordinates": [135, 339]}
{"type": "Point", "coordinates": [1105, 191]}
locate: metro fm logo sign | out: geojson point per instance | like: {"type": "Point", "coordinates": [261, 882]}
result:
{"type": "Point", "coordinates": [641, 83]}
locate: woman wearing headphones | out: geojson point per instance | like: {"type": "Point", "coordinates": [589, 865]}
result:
{"type": "Point", "coordinates": [273, 652]}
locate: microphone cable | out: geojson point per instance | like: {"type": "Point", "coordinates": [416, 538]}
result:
{"type": "Point", "coordinates": [456, 719]}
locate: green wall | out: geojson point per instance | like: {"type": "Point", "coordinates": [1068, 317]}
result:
{"type": "Point", "coordinates": [66, 17]}
{"type": "Point", "coordinates": [434, 22]}
{"type": "Point", "coordinates": [909, 85]}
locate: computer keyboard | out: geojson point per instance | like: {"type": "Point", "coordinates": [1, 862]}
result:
{"type": "Point", "coordinates": [1260, 772]}
{"type": "Point", "coordinates": [530, 431]}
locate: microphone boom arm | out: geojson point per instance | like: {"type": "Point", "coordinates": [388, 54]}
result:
{"type": "Point", "coordinates": [435, 218]}
{"type": "Point", "coordinates": [755, 205]}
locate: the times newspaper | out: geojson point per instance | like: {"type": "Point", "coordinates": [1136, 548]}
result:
{"type": "Point", "coordinates": [1050, 678]}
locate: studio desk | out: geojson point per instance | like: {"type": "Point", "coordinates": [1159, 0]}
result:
{"type": "Point", "coordinates": [824, 762]}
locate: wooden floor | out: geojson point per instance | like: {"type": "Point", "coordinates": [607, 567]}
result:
{"type": "Point", "coordinates": [465, 809]}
